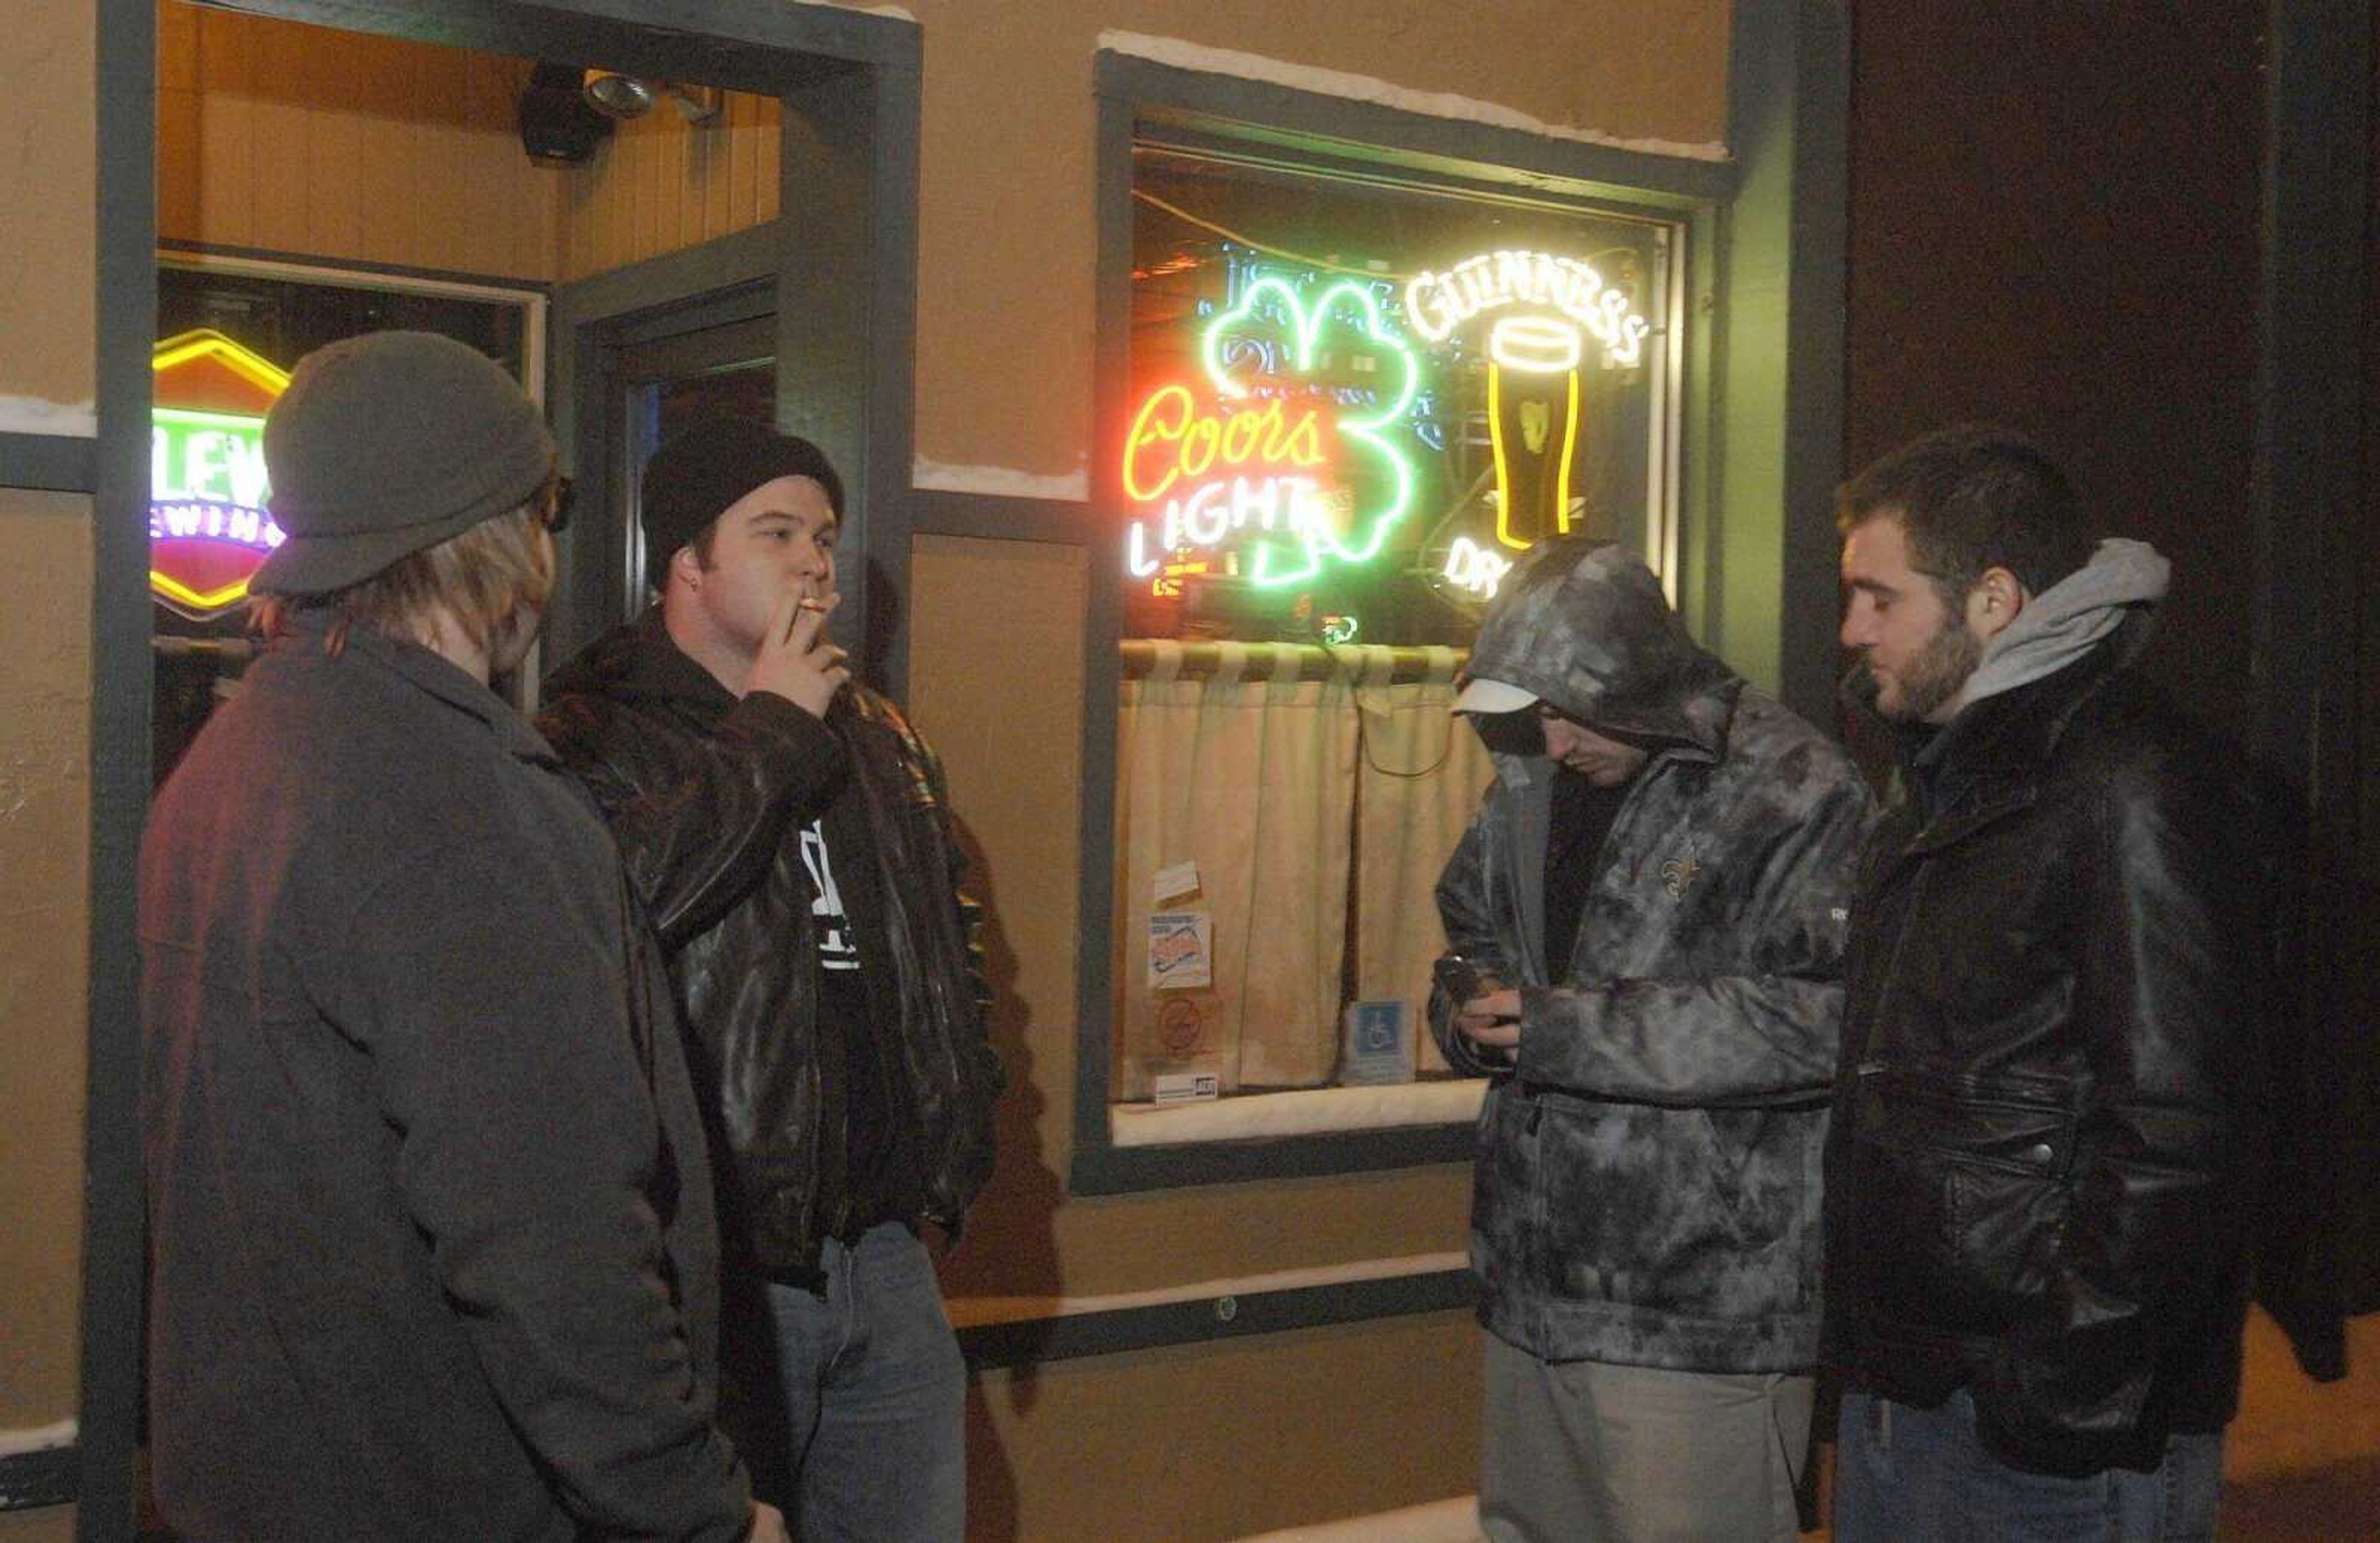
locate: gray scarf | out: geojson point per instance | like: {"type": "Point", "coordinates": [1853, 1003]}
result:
{"type": "Point", "coordinates": [2066, 620]}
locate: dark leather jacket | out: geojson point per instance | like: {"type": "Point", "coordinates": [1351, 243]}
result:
{"type": "Point", "coordinates": [706, 795]}
{"type": "Point", "coordinates": [2049, 1118]}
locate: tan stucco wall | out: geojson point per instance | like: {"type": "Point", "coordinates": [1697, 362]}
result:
{"type": "Point", "coordinates": [51, 1525]}
{"type": "Point", "coordinates": [44, 835]}
{"type": "Point", "coordinates": [48, 185]}
{"type": "Point", "coordinates": [1007, 235]}
{"type": "Point", "coordinates": [1221, 1440]}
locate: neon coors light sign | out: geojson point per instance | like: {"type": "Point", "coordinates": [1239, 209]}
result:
{"type": "Point", "coordinates": [1268, 465]}
{"type": "Point", "coordinates": [207, 529]}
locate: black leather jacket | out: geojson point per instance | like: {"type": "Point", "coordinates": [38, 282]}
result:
{"type": "Point", "coordinates": [706, 795]}
{"type": "Point", "coordinates": [2049, 1120]}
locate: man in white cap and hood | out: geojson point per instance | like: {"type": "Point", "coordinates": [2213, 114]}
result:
{"type": "Point", "coordinates": [2049, 1113]}
{"type": "Point", "coordinates": [1647, 916]}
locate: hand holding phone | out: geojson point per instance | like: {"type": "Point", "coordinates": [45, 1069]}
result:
{"type": "Point", "coordinates": [1487, 1011]}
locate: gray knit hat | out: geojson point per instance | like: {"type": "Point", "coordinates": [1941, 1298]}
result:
{"type": "Point", "coordinates": [389, 443]}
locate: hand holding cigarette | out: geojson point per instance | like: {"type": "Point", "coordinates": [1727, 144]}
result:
{"type": "Point", "coordinates": [794, 661]}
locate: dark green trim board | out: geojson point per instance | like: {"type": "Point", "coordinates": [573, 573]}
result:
{"type": "Point", "coordinates": [743, 257]}
{"type": "Point", "coordinates": [1105, 1170]}
{"type": "Point", "coordinates": [2309, 506]}
{"type": "Point", "coordinates": [2309, 367]}
{"type": "Point", "coordinates": [751, 45]}
{"type": "Point", "coordinates": [1763, 569]}
{"type": "Point", "coordinates": [1102, 625]}
{"type": "Point", "coordinates": [113, 1226]}
{"type": "Point", "coordinates": [49, 463]}
{"type": "Point", "coordinates": [29, 1480]}
{"type": "Point", "coordinates": [1759, 375]}
{"type": "Point", "coordinates": [846, 328]}
{"type": "Point", "coordinates": [1030, 1342]}
{"type": "Point", "coordinates": [998, 516]}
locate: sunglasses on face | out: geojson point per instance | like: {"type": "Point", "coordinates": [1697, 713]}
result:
{"type": "Point", "coordinates": [554, 508]}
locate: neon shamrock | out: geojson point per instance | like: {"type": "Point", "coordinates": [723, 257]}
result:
{"type": "Point", "coordinates": [1240, 335]}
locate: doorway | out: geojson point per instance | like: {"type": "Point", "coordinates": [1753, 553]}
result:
{"type": "Point", "coordinates": [668, 383]}
{"type": "Point", "coordinates": [642, 357]}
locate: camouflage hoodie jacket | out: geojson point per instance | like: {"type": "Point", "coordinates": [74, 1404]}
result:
{"type": "Point", "coordinates": [1647, 1190]}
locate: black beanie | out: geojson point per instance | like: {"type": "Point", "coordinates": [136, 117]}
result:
{"type": "Point", "coordinates": [693, 477]}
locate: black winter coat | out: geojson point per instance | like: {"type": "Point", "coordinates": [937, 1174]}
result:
{"type": "Point", "coordinates": [707, 795]}
{"type": "Point", "coordinates": [2050, 1118]}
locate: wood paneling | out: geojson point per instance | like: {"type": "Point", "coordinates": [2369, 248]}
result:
{"type": "Point", "coordinates": [661, 184]}
{"type": "Point", "coordinates": [339, 145]}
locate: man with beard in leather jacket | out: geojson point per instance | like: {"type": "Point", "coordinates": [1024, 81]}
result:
{"type": "Point", "coordinates": [2049, 1113]}
{"type": "Point", "coordinates": [788, 831]}
{"type": "Point", "coordinates": [1653, 896]}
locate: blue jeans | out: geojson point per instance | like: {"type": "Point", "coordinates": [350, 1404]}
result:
{"type": "Point", "coordinates": [1903, 1473]}
{"type": "Point", "coordinates": [876, 1394]}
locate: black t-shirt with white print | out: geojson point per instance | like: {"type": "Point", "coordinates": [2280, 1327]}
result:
{"type": "Point", "coordinates": [854, 990]}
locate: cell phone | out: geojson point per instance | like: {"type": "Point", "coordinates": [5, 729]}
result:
{"type": "Point", "coordinates": [1458, 977]}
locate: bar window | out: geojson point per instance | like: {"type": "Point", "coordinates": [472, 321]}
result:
{"type": "Point", "coordinates": [1354, 401]}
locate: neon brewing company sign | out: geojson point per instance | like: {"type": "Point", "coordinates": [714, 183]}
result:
{"type": "Point", "coordinates": [206, 478]}
{"type": "Point", "coordinates": [207, 527]}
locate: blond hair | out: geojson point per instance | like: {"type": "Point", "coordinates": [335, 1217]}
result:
{"type": "Point", "coordinates": [488, 578]}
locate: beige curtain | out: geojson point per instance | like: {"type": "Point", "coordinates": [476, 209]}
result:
{"type": "Point", "coordinates": [1420, 779]}
{"type": "Point", "coordinates": [1252, 781]}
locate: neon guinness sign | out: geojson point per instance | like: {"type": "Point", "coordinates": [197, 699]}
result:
{"type": "Point", "coordinates": [1541, 310]}
{"type": "Point", "coordinates": [1438, 303]}
{"type": "Point", "coordinates": [207, 527]}
{"type": "Point", "coordinates": [1270, 453]}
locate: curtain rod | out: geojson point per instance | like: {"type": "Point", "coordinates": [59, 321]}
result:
{"type": "Point", "coordinates": [1164, 659]}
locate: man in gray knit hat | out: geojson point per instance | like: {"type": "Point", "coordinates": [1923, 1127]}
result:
{"type": "Point", "coordinates": [433, 1251]}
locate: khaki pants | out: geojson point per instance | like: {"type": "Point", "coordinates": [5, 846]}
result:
{"type": "Point", "coordinates": [1582, 1451]}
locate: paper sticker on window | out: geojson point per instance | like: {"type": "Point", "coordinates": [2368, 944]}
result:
{"type": "Point", "coordinates": [1175, 882]}
{"type": "Point", "coordinates": [1181, 944]}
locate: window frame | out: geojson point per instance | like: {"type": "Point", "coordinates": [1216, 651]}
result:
{"type": "Point", "coordinates": [1188, 107]}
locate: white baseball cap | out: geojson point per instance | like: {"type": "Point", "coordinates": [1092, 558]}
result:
{"type": "Point", "coordinates": [1493, 696]}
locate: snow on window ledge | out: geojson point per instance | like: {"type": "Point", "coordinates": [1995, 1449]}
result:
{"type": "Point", "coordinates": [1307, 1112]}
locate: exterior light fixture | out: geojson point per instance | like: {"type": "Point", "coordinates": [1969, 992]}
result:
{"type": "Point", "coordinates": [627, 96]}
